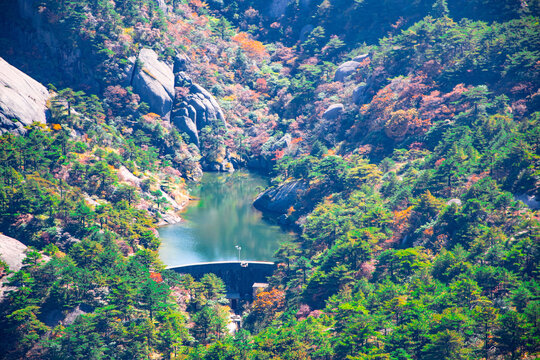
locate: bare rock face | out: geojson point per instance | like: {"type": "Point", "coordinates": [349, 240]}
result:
{"type": "Point", "coordinates": [12, 251]}
{"type": "Point", "coordinates": [22, 100]}
{"type": "Point", "coordinates": [532, 201]}
{"type": "Point", "coordinates": [186, 125]}
{"type": "Point", "coordinates": [153, 80]}
{"type": "Point", "coordinates": [277, 8]}
{"type": "Point", "coordinates": [278, 200]}
{"type": "Point", "coordinates": [182, 62]}
{"type": "Point", "coordinates": [208, 110]}
{"type": "Point", "coordinates": [126, 176]}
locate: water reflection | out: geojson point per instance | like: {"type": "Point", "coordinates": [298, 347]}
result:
{"type": "Point", "coordinates": [222, 218]}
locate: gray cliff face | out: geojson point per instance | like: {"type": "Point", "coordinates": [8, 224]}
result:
{"type": "Point", "coordinates": [278, 200]}
{"type": "Point", "coordinates": [264, 161]}
{"type": "Point", "coordinates": [277, 8]}
{"type": "Point", "coordinates": [153, 80]}
{"type": "Point", "coordinates": [361, 57]}
{"type": "Point", "coordinates": [64, 61]}
{"type": "Point", "coordinates": [22, 100]}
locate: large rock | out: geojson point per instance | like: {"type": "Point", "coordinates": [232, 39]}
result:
{"type": "Point", "coordinates": [153, 80]}
{"type": "Point", "coordinates": [304, 32]}
{"type": "Point", "coordinates": [182, 62]}
{"type": "Point", "coordinates": [12, 252]}
{"type": "Point", "coordinates": [283, 143]}
{"type": "Point", "coordinates": [196, 110]}
{"type": "Point", "coordinates": [22, 100]}
{"type": "Point", "coordinates": [333, 111]}
{"type": "Point", "coordinates": [359, 95]}
{"type": "Point", "coordinates": [125, 175]}
{"type": "Point", "coordinates": [279, 199]}
{"type": "Point", "coordinates": [346, 69]}
{"type": "Point", "coordinates": [277, 8]}
{"type": "Point", "coordinates": [209, 109]}
{"type": "Point", "coordinates": [530, 200]}
{"type": "Point", "coordinates": [186, 125]}
{"type": "Point", "coordinates": [127, 72]}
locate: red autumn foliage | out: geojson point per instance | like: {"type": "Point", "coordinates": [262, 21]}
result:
{"type": "Point", "coordinates": [262, 85]}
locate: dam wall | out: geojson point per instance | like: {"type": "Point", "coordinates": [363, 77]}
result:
{"type": "Point", "coordinates": [238, 277]}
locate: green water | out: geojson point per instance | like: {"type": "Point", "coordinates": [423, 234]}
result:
{"type": "Point", "coordinates": [222, 218]}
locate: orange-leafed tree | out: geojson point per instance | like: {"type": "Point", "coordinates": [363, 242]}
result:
{"type": "Point", "coordinates": [253, 48]}
{"type": "Point", "coordinates": [268, 302]}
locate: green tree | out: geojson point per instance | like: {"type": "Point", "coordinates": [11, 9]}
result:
{"type": "Point", "coordinates": [510, 335]}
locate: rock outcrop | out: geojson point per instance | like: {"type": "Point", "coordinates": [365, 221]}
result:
{"type": "Point", "coordinates": [456, 202]}
{"type": "Point", "coordinates": [333, 111]}
{"type": "Point", "coordinates": [126, 176]}
{"type": "Point", "coordinates": [22, 100]}
{"type": "Point", "coordinates": [171, 94]}
{"type": "Point", "coordinates": [304, 32]}
{"type": "Point", "coordinates": [196, 109]}
{"type": "Point", "coordinates": [349, 67]}
{"type": "Point", "coordinates": [530, 200]}
{"type": "Point", "coordinates": [153, 80]}
{"type": "Point", "coordinates": [182, 62]}
{"type": "Point", "coordinates": [65, 63]}
{"type": "Point", "coordinates": [266, 159]}
{"type": "Point", "coordinates": [278, 200]}
{"type": "Point", "coordinates": [359, 95]}
{"type": "Point", "coordinates": [346, 69]}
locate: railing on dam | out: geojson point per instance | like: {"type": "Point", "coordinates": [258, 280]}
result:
{"type": "Point", "coordinates": [238, 276]}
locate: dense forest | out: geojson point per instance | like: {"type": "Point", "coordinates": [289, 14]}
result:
{"type": "Point", "coordinates": [406, 133]}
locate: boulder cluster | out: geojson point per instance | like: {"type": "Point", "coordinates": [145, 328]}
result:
{"type": "Point", "coordinates": [171, 93]}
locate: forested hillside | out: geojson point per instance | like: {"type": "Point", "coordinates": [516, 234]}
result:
{"type": "Point", "coordinates": [401, 137]}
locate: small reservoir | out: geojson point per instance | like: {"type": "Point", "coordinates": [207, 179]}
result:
{"type": "Point", "coordinates": [221, 219]}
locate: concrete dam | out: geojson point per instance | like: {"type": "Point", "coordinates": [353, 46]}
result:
{"type": "Point", "coordinates": [238, 276]}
